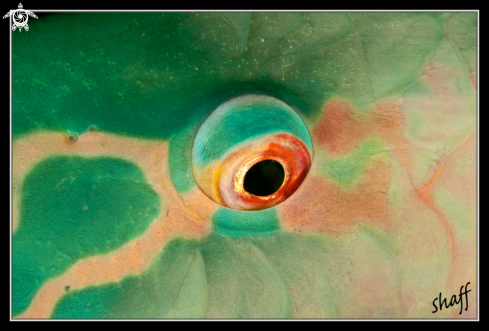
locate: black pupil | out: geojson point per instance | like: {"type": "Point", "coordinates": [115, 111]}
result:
{"type": "Point", "coordinates": [264, 178]}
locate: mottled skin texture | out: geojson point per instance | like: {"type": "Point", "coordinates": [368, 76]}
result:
{"type": "Point", "coordinates": [103, 124]}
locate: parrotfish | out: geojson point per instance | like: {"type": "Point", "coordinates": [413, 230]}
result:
{"type": "Point", "coordinates": [244, 165]}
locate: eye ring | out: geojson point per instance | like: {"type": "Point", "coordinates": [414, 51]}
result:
{"type": "Point", "coordinates": [267, 138]}
{"type": "Point", "coordinates": [285, 149]}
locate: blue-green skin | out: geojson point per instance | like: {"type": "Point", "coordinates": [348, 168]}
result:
{"type": "Point", "coordinates": [157, 76]}
{"type": "Point", "coordinates": [216, 265]}
{"type": "Point", "coordinates": [242, 120]}
{"type": "Point", "coordinates": [56, 231]}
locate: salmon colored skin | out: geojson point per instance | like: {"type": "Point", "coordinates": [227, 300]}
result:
{"type": "Point", "coordinates": [136, 255]}
{"type": "Point", "coordinates": [377, 215]}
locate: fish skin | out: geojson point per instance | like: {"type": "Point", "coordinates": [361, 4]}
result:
{"type": "Point", "coordinates": [389, 100]}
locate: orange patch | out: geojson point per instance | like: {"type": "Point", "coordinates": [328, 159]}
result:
{"type": "Point", "coordinates": [321, 206]}
{"type": "Point", "coordinates": [131, 259]}
{"type": "Point", "coordinates": [185, 215]}
{"type": "Point", "coordinates": [338, 130]}
{"type": "Point", "coordinates": [341, 129]}
{"type": "Point", "coordinates": [473, 76]}
{"type": "Point", "coordinates": [458, 177]}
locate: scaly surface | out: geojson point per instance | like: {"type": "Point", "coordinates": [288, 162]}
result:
{"type": "Point", "coordinates": [384, 222]}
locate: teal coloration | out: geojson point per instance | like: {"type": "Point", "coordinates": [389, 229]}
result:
{"type": "Point", "coordinates": [70, 72]}
{"type": "Point", "coordinates": [152, 86]}
{"type": "Point", "coordinates": [175, 283]}
{"type": "Point", "coordinates": [221, 277]}
{"type": "Point", "coordinates": [88, 206]}
{"type": "Point", "coordinates": [348, 170]}
{"type": "Point", "coordinates": [462, 29]}
{"type": "Point", "coordinates": [90, 303]}
{"type": "Point", "coordinates": [179, 161]}
{"type": "Point", "coordinates": [237, 223]}
{"type": "Point", "coordinates": [243, 120]}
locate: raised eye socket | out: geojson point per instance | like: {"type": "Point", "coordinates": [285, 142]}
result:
{"type": "Point", "coordinates": [251, 153]}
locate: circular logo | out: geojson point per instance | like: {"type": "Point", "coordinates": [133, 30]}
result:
{"type": "Point", "coordinates": [20, 17]}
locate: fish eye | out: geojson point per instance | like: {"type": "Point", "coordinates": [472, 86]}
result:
{"type": "Point", "coordinates": [264, 178]}
{"type": "Point", "coordinates": [251, 153]}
